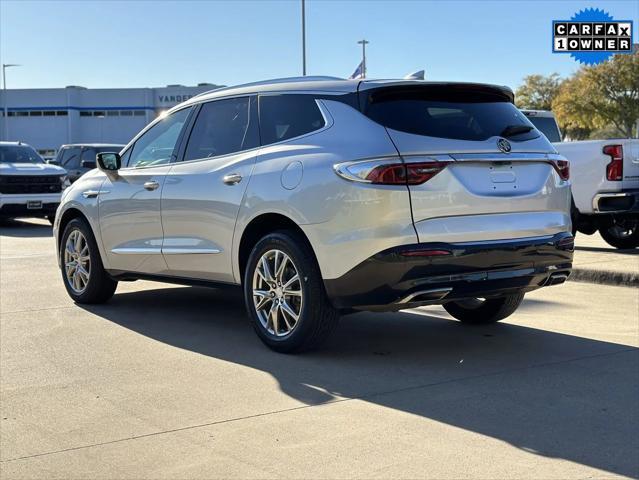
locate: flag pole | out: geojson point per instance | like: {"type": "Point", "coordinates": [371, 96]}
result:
{"type": "Point", "coordinates": [363, 43]}
{"type": "Point", "coordinates": [303, 38]}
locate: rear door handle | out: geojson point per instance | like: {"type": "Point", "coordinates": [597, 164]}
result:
{"type": "Point", "coordinates": [232, 178]}
{"type": "Point", "coordinates": [152, 185]}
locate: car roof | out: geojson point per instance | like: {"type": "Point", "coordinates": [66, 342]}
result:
{"type": "Point", "coordinates": [15, 144]}
{"type": "Point", "coordinates": [324, 84]}
{"type": "Point", "coordinates": [92, 145]}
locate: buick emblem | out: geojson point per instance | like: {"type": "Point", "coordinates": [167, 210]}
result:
{"type": "Point", "coordinates": [504, 145]}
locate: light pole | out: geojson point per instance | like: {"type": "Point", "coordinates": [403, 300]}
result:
{"type": "Point", "coordinates": [363, 43]}
{"type": "Point", "coordinates": [4, 97]}
{"type": "Point", "coordinates": [303, 38]}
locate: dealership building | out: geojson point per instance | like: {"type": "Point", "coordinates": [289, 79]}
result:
{"type": "Point", "coordinates": [46, 118]}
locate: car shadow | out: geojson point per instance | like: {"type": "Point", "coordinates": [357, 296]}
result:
{"type": "Point", "coordinates": [24, 229]}
{"type": "Point", "coordinates": [628, 251]}
{"type": "Point", "coordinates": [547, 393]}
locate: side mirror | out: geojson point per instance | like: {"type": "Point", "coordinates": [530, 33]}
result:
{"type": "Point", "coordinates": [109, 162]}
{"type": "Point", "coordinates": [87, 164]}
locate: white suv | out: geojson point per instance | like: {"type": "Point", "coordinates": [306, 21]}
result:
{"type": "Point", "coordinates": [28, 186]}
{"type": "Point", "coordinates": [319, 196]}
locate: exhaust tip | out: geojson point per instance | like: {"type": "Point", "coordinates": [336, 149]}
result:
{"type": "Point", "coordinates": [556, 279]}
{"type": "Point", "coordinates": [426, 295]}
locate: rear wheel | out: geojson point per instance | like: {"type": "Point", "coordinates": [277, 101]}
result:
{"type": "Point", "coordinates": [623, 234]}
{"type": "Point", "coordinates": [478, 311]}
{"type": "Point", "coordinates": [84, 276]}
{"type": "Point", "coordinates": [285, 295]}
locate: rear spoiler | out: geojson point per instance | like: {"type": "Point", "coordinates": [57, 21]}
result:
{"type": "Point", "coordinates": [376, 90]}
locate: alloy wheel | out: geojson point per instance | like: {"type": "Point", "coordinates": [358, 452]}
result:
{"type": "Point", "coordinates": [77, 261]}
{"type": "Point", "coordinates": [277, 293]}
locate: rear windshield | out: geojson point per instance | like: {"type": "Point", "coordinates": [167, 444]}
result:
{"type": "Point", "coordinates": [448, 113]}
{"type": "Point", "coordinates": [19, 154]}
{"type": "Point", "coordinates": [547, 126]}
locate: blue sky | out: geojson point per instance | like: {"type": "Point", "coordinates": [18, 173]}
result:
{"type": "Point", "coordinates": [155, 43]}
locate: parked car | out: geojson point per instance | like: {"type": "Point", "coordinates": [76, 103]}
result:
{"type": "Point", "coordinates": [319, 196]}
{"type": "Point", "coordinates": [28, 186]}
{"type": "Point", "coordinates": [79, 158]}
{"type": "Point", "coordinates": [605, 182]}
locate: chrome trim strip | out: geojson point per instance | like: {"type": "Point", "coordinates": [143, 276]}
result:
{"type": "Point", "coordinates": [510, 240]}
{"type": "Point", "coordinates": [137, 251]}
{"type": "Point", "coordinates": [599, 196]}
{"type": "Point", "coordinates": [189, 251]}
{"type": "Point", "coordinates": [505, 157]}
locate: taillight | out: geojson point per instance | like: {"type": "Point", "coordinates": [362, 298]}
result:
{"type": "Point", "coordinates": [390, 171]}
{"type": "Point", "coordinates": [562, 167]}
{"type": "Point", "coordinates": [614, 170]}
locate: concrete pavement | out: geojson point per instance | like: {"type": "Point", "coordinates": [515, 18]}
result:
{"type": "Point", "coordinates": [171, 382]}
{"type": "Point", "coordinates": [598, 262]}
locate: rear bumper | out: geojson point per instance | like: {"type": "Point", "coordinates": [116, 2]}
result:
{"type": "Point", "coordinates": [390, 280]}
{"type": "Point", "coordinates": [616, 202]}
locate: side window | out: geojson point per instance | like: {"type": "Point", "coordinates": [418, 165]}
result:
{"type": "Point", "coordinates": [71, 158]}
{"type": "Point", "coordinates": [124, 159]}
{"type": "Point", "coordinates": [287, 116]}
{"type": "Point", "coordinates": [156, 146]}
{"type": "Point", "coordinates": [221, 127]}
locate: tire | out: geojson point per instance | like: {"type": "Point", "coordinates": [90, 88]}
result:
{"type": "Point", "coordinates": [316, 317]}
{"type": "Point", "coordinates": [100, 286]}
{"type": "Point", "coordinates": [622, 235]}
{"type": "Point", "coordinates": [481, 312]}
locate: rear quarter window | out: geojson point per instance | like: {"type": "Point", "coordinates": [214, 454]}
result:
{"type": "Point", "coordinates": [288, 116]}
{"type": "Point", "coordinates": [446, 113]}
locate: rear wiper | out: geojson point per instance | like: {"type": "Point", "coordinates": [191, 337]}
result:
{"type": "Point", "coordinates": [511, 130]}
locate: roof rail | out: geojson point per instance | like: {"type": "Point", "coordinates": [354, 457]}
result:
{"type": "Point", "coordinates": [308, 78]}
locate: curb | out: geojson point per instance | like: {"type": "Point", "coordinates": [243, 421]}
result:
{"type": "Point", "coordinates": [605, 277]}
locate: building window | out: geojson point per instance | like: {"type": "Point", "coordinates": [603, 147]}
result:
{"type": "Point", "coordinates": [35, 114]}
{"type": "Point", "coordinates": [48, 113]}
{"type": "Point", "coordinates": [61, 113]}
{"type": "Point", "coordinates": [126, 113]}
{"type": "Point", "coordinates": [139, 113]}
{"type": "Point", "coordinates": [85, 114]}
{"type": "Point", "coordinates": [113, 113]}
{"type": "Point", "coordinates": [22, 114]}
{"type": "Point", "coordinates": [98, 113]}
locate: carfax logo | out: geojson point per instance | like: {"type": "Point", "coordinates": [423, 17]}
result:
{"type": "Point", "coordinates": [592, 36]}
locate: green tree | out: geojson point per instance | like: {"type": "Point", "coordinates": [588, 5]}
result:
{"type": "Point", "coordinates": [602, 96]}
{"type": "Point", "coordinates": [537, 92]}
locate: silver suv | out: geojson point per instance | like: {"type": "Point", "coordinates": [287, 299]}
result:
{"type": "Point", "coordinates": [321, 196]}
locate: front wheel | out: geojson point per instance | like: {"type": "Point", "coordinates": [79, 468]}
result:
{"type": "Point", "coordinates": [623, 234]}
{"type": "Point", "coordinates": [478, 311]}
{"type": "Point", "coordinates": [84, 276]}
{"type": "Point", "coordinates": [285, 296]}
